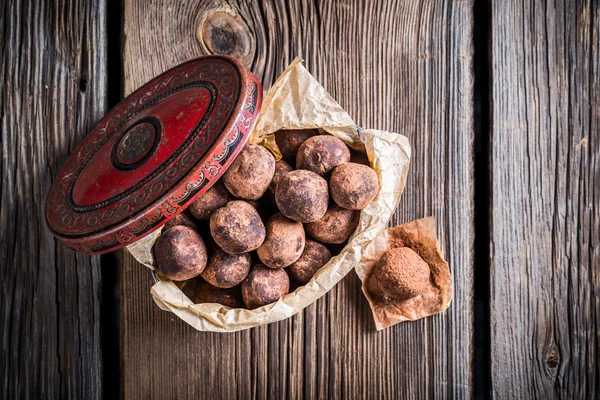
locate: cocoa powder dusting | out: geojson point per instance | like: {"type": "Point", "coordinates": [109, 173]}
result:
{"type": "Point", "coordinates": [321, 154]}
{"type": "Point", "coordinates": [249, 176]}
{"type": "Point", "coordinates": [264, 286]}
{"type": "Point", "coordinates": [401, 274]}
{"type": "Point", "coordinates": [411, 280]}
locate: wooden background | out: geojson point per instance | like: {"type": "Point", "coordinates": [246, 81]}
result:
{"type": "Point", "coordinates": [517, 201]}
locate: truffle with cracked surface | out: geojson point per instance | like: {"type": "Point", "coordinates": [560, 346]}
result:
{"type": "Point", "coordinates": [208, 202]}
{"type": "Point", "coordinates": [237, 228]}
{"type": "Point", "coordinates": [226, 270]}
{"type": "Point", "coordinates": [180, 253]}
{"type": "Point", "coordinates": [353, 186]}
{"type": "Point", "coordinates": [289, 140]}
{"type": "Point", "coordinates": [284, 242]}
{"type": "Point", "coordinates": [302, 196]}
{"type": "Point", "coordinates": [249, 176]}
{"type": "Point", "coordinates": [321, 154]}
{"type": "Point", "coordinates": [264, 286]}
{"type": "Point", "coordinates": [335, 226]}
{"type": "Point", "coordinates": [281, 169]}
{"type": "Point", "coordinates": [315, 255]}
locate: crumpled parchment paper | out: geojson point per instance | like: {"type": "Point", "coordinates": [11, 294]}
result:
{"type": "Point", "coordinates": [420, 236]}
{"type": "Point", "coordinates": [298, 101]}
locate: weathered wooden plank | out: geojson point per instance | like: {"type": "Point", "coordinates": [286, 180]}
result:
{"type": "Point", "coordinates": [545, 218]}
{"type": "Point", "coordinates": [396, 65]}
{"type": "Point", "coordinates": [52, 89]}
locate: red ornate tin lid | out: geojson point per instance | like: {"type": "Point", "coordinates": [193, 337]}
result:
{"type": "Point", "coordinates": [153, 154]}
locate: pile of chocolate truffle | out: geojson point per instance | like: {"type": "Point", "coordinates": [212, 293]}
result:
{"type": "Point", "coordinates": [267, 226]}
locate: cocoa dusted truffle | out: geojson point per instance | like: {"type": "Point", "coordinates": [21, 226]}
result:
{"type": "Point", "coordinates": [353, 186]}
{"type": "Point", "coordinates": [180, 219]}
{"type": "Point", "coordinates": [284, 242]}
{"type": "Point", "coordinates": [289, 140]}
{"type": "Point", "coordinates": [264, 286]}
{"type": "Point", "coordinates": [335, 226]}
{"type": "Point", "coordinates": [249, 175]}
{"type": "Point", "coordinates": [302, 196]}
{"type": "Point", "coordinates": [315, 255]}
{"type": "Point", "coordinates": [206, 293]}
{"type": "Point", "coordinates": [208, 202]}
{"type": "Point", "coordinates": [401, 275]}
{"type": "Point", "coordinates": [180, 253]}
{"type": "Point", "coordinates": [321, 154]}
{"type": "Point", "coordinates": [237, 228]}
{"type": "Point", "coordinates": [226, 270]}
{"type": "Point", "coordinates": [281, 169]}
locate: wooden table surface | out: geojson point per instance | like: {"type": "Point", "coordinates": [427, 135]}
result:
{"type": "Point", "coordinates": [501, 103]}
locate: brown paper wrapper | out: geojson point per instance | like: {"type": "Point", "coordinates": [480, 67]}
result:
{"type": "Point", "coordinates": [298, 101]}
{"type": "Point", "coordinates": [420, 236]}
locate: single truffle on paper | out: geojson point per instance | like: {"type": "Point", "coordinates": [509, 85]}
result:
{"type": "Point", "coordinates": [321, 154]}
{"type": "Point", "coordinates": [401, 274]}
{"type": "Point", "coordinates": [226, 270]}
{"type": "Point", "coordinates": [283, 243]}
{"type": "Point", "coordinates": [237, 228]}
{"type": "Point", "coordinates": [208, 202]}
{"type": "Point", "coordinates": [315, 255]}
{"type": "Point", "coordinates": [405, 276]}
{"type": "Point", "coordinates": [180, 219]}
{"type": "Point", "coordinates": [206, 293]}
{"type": "Point", "coordinates": [264, 286]}
{"type": "Point", "coordinates": [302, 196]}
{"type": "Point", "coordinates": [335, 226]}
{"type": "Point", "coordinates": [180, 253]}
{"type": "Point", "coordinates": [249, 176]}
{"type": "Point", "coordinates": [289, 140]}
{"type": "Point", "coordinates": [353, 186]}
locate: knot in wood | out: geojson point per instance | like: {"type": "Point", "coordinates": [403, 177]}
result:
{"type": "Point", "coordinates": [225, 32]}
{"type": "Point", "coordinates": [552, 358]}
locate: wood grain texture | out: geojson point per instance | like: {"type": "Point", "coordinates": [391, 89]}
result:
{"type": "Point", "coordinates": [52, 89]}
{"type": "Point", "coordinates": [545, 218]}
{"type": "Point", "coordinates": [393, 65]}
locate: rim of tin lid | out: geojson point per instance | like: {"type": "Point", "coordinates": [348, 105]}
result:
{"type": "Point", "coordinates": [153, 154]}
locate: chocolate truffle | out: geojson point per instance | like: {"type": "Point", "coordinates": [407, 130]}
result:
{"type": "Point", "coordinates": [206, 293]}
{"type": "Point", "coordinates": [335, 226]}
{"type": "Point", "coordinates": [321, 154]}
{"type": "Point", "coordinates": [237, 228]}
{"type": "Point", "coordinates": [353, 186]}
{"type": "Point", "coordinates": [249, 175]}
{"type": "Point", "coordinates": [264, 286]}
{"type": "Point", "coordinates": [302, 196]}
{"type": "Point", "coordinates": [284, 242]}
{"type": "Point", "coordinates": [180, 253]}
{"type": "Point", "coordinates": [208, 202]}
{"type": "Point", "coordinates": [226, 270]}
{"type": "Point", "coordinates": [180, 219]}
{"type": "Point", "coordinates": [315, 255]}
{"type": "Point", "coordinates": [281, 169]}
{"type": "Point", "coordinates": [289, 140]}
{"type": "Point", "coordinates": [401, 274]}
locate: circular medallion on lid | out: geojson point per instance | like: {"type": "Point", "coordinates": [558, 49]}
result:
{"type": "Point", "coordinates": [153, 154]}
{"type": "Point", "coordinates": [136, 145]}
